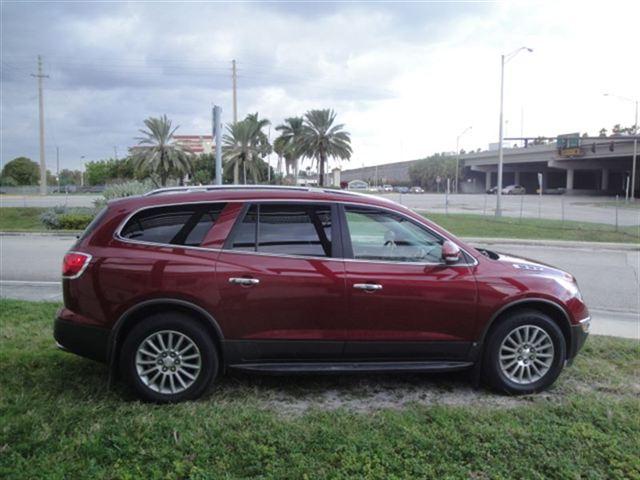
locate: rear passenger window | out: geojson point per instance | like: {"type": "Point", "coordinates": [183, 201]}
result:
{"type": "Point", "coordinates": [174, 225]}
{"type": "Point", "coordinates": [287, 229]}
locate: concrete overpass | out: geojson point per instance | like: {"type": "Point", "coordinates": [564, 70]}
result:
{"type": "Point", "coordinates": [598, 166]}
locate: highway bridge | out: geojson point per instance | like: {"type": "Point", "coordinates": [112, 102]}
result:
{"type": "Point", "coordinates": [597, 165]}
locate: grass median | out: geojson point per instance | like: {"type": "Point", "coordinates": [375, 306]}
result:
{"type": "Point", "coordinates": [59, 420]}
{"type": "Point", "coordinates": [470, 225]}
{"type": "Point", "coordinates": [21, 219]}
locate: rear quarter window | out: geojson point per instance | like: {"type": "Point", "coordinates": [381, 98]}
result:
{"type": "Point", "coordinates": [172, 225]}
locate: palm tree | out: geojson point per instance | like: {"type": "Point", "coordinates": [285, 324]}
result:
{"type": "Point", "coordinates": [287, 144]}
{"type": "Point", "coordinates": [157, 151]}
{"type": "Point", "coordinates": [320, 139]}
{"type": "Point", "coordinates": [241, 147]}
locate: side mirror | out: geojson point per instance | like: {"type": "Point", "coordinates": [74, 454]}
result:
{"type": "Point", "coordinates": [450, 252]}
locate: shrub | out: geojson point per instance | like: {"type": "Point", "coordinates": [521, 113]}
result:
{"type": "Point", "coordinates": [74, 221]}
{"type": "Point", "coordinates": [63, 218]}
{"type": "Point", "coordinates": [50, 219]}
{"type": "Point", "coordinates": [121, 190]}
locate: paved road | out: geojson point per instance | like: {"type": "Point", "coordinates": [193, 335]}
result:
{"type": "Point", "coordinates": [579, 208]}
{"type": "Point", "coordinates": [608, 278]}
{"type": "Point", "coordinates": [48, 200]}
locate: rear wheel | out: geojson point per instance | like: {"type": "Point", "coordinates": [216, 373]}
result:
{"type": "Point", "coordinates": [525, 353]}
{"type": "Point", "coordinates": [169, 358]}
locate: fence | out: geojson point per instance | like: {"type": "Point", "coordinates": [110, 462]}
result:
{"type": "Point", "coordinates": [571, 212]}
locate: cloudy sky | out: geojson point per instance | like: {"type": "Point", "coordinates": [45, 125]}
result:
{"type": "Point", "coordinates": [405, 78]}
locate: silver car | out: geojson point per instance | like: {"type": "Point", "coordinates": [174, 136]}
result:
{"type": "Point", "coordinates": [514, 190]}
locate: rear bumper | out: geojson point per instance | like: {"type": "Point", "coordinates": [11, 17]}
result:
{"type": "Point", "coordinates": [84, 340]}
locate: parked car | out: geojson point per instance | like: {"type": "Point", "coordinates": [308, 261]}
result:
{"type": "Point", "coordinates": [416, 190]}
{"type": "Point", "coordinates": [387, 188]}
{"type": "Point", "coordinates": [401, 189]}
{"type": "Point", "coordinates": [177, 287]}
{"type": "Point", "coordinates": [492, 190]}
{"type": "Point", "coordinates": [514, 190]}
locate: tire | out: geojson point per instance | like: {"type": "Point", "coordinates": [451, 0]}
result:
{"type": "Point", "coordinates": [526, 366]}
{"type": "Point", "coordinates": [182, 366]}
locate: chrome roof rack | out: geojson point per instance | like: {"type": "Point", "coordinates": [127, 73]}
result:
{"type": "Point", "coordinates": [208, 188]}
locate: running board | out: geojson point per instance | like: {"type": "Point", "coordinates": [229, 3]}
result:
{"type": "Point", "coordinates": [349, 367]}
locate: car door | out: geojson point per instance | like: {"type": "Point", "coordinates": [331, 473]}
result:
{"type": "Point", "coordinates": [404, 302]}
{"type": "Point", "coordinates": [281, 283]}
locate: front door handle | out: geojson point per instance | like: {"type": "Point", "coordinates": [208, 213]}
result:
{"type": "Point", "coordinates": [247, 282]}
{"type": "Point", "coordinates": [368, 287]}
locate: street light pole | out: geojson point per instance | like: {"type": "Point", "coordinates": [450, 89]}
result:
{"type": "Point", "coordinates": [503, 59]}
{"type": "Point", "coordinates": [457, 155]}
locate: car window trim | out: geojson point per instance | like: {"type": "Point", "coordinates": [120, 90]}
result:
{"type": "Point", "coordinates": [349, 255]}
{"type": "Point", "coordinates": [200, 208]}
{"type": "Point", "coordinates": [341, 245]}
{"type": "Point", "coordinates": [335, 233]}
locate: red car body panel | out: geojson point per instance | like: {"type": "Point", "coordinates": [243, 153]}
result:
{"type": "Point", "coordinates": [305, 299]}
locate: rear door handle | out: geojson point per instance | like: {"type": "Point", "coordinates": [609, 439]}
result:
{"type": "Point", "coordinates": [247, 282]}
{"type": "Point", "coordinates": [369, 287]}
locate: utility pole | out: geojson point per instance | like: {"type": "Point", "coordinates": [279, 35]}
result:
{"type": "Point", "coordinates": [217, 135]}
{"type": "Point", "coordinates": [43, 165]}
{"type": "Point", "coordinates": [234, 79]}
{"type": "Point", "coordinates": [58, 167]}
{"type": "Point", "coordinates": [269, 158]}
{"type": "Point", "coordinates": [115, 152]}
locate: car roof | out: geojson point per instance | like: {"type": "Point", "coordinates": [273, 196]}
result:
{"type": "Point", "coordinates": [242, 193]}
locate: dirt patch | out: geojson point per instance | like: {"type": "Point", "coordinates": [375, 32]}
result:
{"type": "Point", "coordinates": [293, 396]}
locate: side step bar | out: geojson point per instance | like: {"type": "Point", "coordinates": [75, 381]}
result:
{"type": "Point", "coordinates": [295, 368]}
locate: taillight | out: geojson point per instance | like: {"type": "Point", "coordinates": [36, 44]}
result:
{"type": "Point", "coordinates": [74, 264]}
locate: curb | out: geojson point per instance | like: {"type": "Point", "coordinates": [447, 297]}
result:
{"type": "Point", "coordinates": [552, 243]}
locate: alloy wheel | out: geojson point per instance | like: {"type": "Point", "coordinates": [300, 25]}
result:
{"type": "Point", "coordinates": [168, 362]}
{"type": "Point", "coordinates": [526, 354]}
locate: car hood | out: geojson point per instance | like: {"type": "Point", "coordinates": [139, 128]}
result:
{"type": "Point", "coordinates": [526, 265]}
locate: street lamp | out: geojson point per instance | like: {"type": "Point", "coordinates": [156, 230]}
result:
{"type": "Point", "coordinates": [458, 154]}
{"type": "Point", "coordinates": [503, 59]}
{"type": "Point", "coordinates": [635, 141]}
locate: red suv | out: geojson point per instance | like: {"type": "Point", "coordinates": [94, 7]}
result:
{"type": "Point", "coordinates": [180, 285]}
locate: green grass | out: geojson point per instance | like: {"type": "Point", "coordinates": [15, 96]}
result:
{"type": "Point", "coordinates": [58, 419]}
{"type": "Point", "coordinates": [469, 225]}
{"type": "Point", "coordinates": [21, 219]}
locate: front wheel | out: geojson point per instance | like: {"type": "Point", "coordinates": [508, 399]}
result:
{"type": "Point", "coordinates": [524, 354]}
{"type": "Point", "coordinates": [169, 358]}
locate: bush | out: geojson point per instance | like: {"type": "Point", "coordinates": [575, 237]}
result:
{"type": "Point", "coordinates": [63, 218]}
{"type": "Point", "coordinates": [121, 190]}
{"type": "Point", "coordinates": [74, 221]}
{"type": "Point", "coordinates": [127, 189]}
{"type": "Point", "coordinates": [50, 219]}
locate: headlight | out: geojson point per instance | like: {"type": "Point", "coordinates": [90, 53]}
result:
{"type": "Point", "coordinates": [571, 286]}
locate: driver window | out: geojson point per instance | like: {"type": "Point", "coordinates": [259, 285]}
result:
{"type": "Point", "coordinates": [381, 235]}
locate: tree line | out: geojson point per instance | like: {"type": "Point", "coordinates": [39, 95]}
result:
{"type": "Point", "coordinates": [314, 137]}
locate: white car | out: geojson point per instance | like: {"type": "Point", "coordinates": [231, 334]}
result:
{"type": "Point", "coordinates": [514, 190]}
